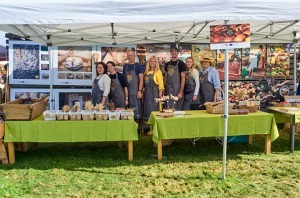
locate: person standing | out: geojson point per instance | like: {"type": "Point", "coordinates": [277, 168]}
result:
{"type": "Point", "coordinates": [101, 85]}
{"type": "Point", "coordinates": [210, 84]}
{"type": "Point", "coordinates": [154, 86]}
{"type": "Point", "coordinates": [118, 86]}
{"type": "Point", "coordinates": [192, 85]}
{"type": "Point", "coordinates": [134, 73]}
{"type": "Point", "coordinates": [175, 78]}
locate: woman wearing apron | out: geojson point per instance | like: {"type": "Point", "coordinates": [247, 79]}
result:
{"type": "Point", "coordinates": [209, 81]}
{"type": "Point", "coordinates": [101, 85]}
{"type": "Point", "coordinates": [153, 85]}
{"type": "Point", "coordinates": [192, 85]}
{"type": "Point", "coordinates": [118, 87]}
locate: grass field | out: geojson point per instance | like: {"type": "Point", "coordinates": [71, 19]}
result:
{"type": "Point", "coordinates": [102, 170]}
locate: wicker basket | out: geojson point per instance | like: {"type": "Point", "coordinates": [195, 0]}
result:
{"type": "Point", "coordinates": [16, 110]}
{"type": "Point", "coordinates": [252, 109]}
{"type": "Point", "coordinates": [216, 107]}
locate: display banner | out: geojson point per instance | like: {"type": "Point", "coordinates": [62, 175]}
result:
{"type": "Point", "coordinates": [230, 36]}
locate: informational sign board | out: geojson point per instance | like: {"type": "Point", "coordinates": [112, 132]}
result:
{"type": "Point", "coordinates": [230, 36]}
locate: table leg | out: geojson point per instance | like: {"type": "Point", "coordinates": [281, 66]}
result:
{"type": "Point", "coordinates": [250, 138]}
{"type": "Point", "coordinates": [159, 150]}
{"type": "Point", "coordinates": [11, 152]}
{"type": "Point", "coordinates": [120, 144]}
{"type": "Point", "coordinates": [268, 144]}
{"type": "Point", "coordinates": [24, 146]}
{"type": "Point", "coordinates": [130, 150]}
{"type": "Point", "coordinates": [292, 133]}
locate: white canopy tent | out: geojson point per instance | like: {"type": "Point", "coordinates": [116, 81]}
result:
{"type": "Point", "coordinates": [90, 22]}
{"type": "Point", "coordinates": [62, 22]}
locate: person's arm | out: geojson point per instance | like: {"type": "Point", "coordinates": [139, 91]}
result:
{"type": "Point", "coordinates": [217, 84]}
{"type": "Point", "coordinates": [196, 78]}
{"type": "Point", "coordinates": [106, 85]}
{"type": "Point", "coordinates": [126, 96]}
{"type": "Point", "coordinates": [182, 83]}
{"type": "Point", "coordinates": [182, 70]}
{"type": "Point", "coordinates": [141, 82]}
{"type": "Point", "coordinates": [160, 82]}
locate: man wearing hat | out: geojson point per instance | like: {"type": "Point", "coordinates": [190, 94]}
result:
{"type": "Point", "coordinates": [209, 81]}
{"type": "Point", "coordinates": [175, 78]}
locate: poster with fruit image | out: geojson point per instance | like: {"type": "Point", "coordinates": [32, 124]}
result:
{"type": "Point", "coordinates": [234, 63]}
{"type": "Point", "coordinates": [198, 51]}
{"type": "Point", "coordinates": [230, 36]}
{"type": "Point", "coordinates": [278, 61]}
{"type": "Point", "coordinates": [254, 61]}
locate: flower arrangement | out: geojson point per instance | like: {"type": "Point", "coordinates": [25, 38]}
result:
{"type": "Point", "coordinates": [170, 102]}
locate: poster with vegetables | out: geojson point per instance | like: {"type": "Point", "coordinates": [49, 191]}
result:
{"type": "Point", "coordinates": [198, 51]}
{"type": "Point", "coordinates": [254, 61]}
{"type": "Point", "coordinates": [234, 63]}
{"type": "Point", "coordinates": [278, 61]}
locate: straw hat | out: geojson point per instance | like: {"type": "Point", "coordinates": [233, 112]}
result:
{"type": "Point", "coordinates": [206, 59]}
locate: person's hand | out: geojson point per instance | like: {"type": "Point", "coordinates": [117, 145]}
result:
{"type": "Point", "coordinates": [126, 102]}
{"type": "Point", "coordinates": [139, 95]}
{"type": "Point", "coordinates": [179, 95]}
{"type": "Point", "coordinates": [195, 98]}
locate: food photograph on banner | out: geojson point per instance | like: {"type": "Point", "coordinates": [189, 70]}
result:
{"type": "Point", "coordinates": [161, 51]}
{"type": "Point", "coordinates": [278, 60]}
{"type": "Point", "coordinates": [241, 91]}
{"type": "Point", "coordinates": [74, 65]}
{"type": "Point", "coordinates": [71, 97]}
{"type": "Point", "coordinates": [234, 63]}
{"type": "Point", "coordinates": [28, 63]}
{"type": "Point", "coordinates": [201, 50]}
{"type": "Point", "coordinates": [230, 36]}
{"type": "Point", "coordinates": [254, 61]}
{"type": "Point", "coordinates": [116, 54]}
{"type": "Point", "coordinates": [25, 93]}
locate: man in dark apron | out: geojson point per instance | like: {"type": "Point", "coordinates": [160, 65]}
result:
{"type": "Point", "coordinates": [134, 73]}
{"type": "Point", "coordinates": [209, 82]}
{"type": "Point", "coordinates": [118, 87]}
{"type": "Point", "coordinates": [175, 79]}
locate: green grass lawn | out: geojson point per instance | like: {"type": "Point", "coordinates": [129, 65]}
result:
{"type": "Point", "coordinates": [102, 170]}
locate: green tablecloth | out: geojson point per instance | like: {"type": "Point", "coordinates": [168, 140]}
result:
{"type": "Point", "coordinates": [282, 116]}
{"type": "Point", "coordinates": [203, 124]}
{"type": "Point", "coordinates": [39, 130]}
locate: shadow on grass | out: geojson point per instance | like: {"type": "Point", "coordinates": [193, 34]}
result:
{"type": "Point", "coordinates": [83, 156]}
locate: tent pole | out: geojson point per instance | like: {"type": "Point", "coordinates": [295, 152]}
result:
{"type": "Point", "coordinates": [225, 116]}
{"type": "Point", "coordinates": [51, 97]}
{"type": "Point", "coordinates": [295, 68]}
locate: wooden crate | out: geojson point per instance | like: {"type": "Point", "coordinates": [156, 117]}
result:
{"type": "Point", "coordinates": [16, 110]}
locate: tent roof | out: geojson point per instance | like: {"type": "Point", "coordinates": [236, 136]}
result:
{"type": "Point", "coordinates": [59, 22]}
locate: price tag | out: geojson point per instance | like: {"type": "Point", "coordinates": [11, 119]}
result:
{"type": "Point", "coordinates": [250, 103]}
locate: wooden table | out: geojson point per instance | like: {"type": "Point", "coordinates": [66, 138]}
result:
{"type": "Point", "coordinates": [39, 130]}
{"type": "Point", "coordinates": [202, 124]}
{"type": "Point", "coordinates": [293, 117]}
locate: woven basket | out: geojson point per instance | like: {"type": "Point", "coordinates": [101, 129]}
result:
{"type": "Point", "coordinates": [252, 109]}
{"type": "Point", "coordinates": [214, 107]}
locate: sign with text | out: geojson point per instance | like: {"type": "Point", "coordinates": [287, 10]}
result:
{"type": "Point", "coordinates": [230, 36]}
